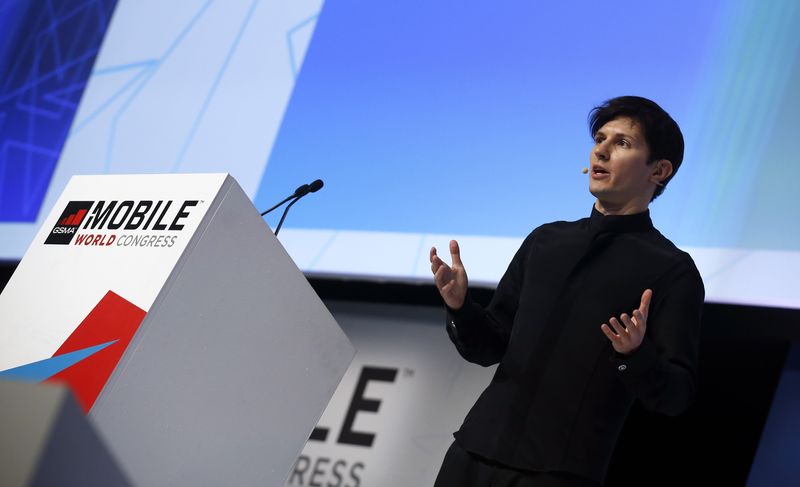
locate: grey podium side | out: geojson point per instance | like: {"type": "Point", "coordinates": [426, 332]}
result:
{"type": "Point", "coordinates": [45, 439]}
{"type": "Point", "coordinates": [232, 366]}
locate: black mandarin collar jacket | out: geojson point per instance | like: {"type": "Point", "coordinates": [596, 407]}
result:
{"type": "Point", "coordinates": [560, 394]}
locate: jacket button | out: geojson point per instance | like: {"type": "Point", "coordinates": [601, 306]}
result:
{"type": "Point", "coordinates": [622, 368]}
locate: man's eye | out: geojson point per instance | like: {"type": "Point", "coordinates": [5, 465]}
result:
{"type": "Point", "coordinates": [624, 143]}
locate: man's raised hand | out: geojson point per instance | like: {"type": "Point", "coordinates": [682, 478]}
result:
{"type": "Point", "coordinates": [627, 339]}
{"type": "Point", "coordinates": [450, 280]}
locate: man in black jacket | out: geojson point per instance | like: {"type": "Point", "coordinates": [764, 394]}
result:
{"type": "Point", "coordinates": [589, 316]}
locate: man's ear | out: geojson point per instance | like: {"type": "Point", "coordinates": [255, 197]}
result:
{"type": "Point", "coordinates": [662, 170]}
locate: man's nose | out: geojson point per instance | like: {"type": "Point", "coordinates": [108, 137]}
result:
{"type": "Point", "coordinates": [600, 151]}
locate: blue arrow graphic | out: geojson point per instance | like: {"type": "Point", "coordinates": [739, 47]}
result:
{"type": "Point", "coordinates": [44, 369]}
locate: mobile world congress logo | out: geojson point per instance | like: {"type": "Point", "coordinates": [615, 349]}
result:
{"type": "Point", "coordinates": [68, 223]}
{"type": "Point", "coordinates": [129, 223]}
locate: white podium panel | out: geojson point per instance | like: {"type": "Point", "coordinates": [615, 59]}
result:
{"type": "Point", "coordinates": [181, 324]}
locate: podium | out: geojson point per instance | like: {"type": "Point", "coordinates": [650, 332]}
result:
{"type": "Point", "coordinates": [198, 349]}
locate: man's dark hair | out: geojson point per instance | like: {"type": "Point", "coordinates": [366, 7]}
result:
{"type": "Point", "coordinates": [662, 134]}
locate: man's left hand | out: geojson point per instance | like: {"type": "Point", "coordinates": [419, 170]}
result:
{"type": "Point", "coordinates": [626, 339]}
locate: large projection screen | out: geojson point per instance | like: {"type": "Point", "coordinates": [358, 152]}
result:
{"type": "Point", "coordinates": [437, 120]}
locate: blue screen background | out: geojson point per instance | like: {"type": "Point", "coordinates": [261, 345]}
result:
{"type": "Point", "coordinates": [470, 117]}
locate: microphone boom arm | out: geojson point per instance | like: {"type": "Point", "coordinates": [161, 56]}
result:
{"type": "Point", "coordinates": [285, 211]}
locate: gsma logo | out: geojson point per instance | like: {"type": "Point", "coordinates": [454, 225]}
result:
{"type": "Point", "coordinates": [67, 224]}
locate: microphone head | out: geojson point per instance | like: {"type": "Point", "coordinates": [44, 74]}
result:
{"type": "Point", "coordinates": [301, 190]}
{"type": "Point", "coordinates": [315, 186]}
{"type": "Point", "coordinates": [585, 170]}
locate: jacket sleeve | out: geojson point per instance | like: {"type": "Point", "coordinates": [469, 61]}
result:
{"type": "Point", "coordinates": [662, 372]}
{"type": "Point", "coordinates": [481, 334]}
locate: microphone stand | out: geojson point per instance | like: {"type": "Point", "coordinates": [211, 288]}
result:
{"type": "Point", "coordinates": [302, 190]}
{"type": "Point", "coordinates": [285, 211]}
{"type": "Point", "coordinates": [298, 193]}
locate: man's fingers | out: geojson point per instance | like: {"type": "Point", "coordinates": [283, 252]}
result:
{"type": "Point", "coordinates": [641, 321]}
{"type": "Point", "coordinates": [628, 330]}
{"type": "Point", "coordinates": [455, 253]}
{"type": "Point", "coordinates": [626, 320]}
{"type": "Point", "coordinates": [436, 263]}
{"type": "Point", "coordinates": [615, 324]}
{"type": "Point", "coordinates": [442, 276]}
{"type": "Point", "coordinates": [644, 306]}
{"type": "Point", "coordinates": [610, 334]}
{"type": "Point", "coordinates": [439, 274]}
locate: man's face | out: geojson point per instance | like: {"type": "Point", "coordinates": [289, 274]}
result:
{"type": "Point", "coordinates": [619, 173]}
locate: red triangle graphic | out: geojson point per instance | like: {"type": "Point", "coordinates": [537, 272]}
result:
{"type": "Point", "coordinates": [114, 318]}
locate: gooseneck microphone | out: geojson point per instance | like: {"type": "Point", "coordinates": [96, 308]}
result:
{"type": "Point", "coordinates": [301, 191]}
{"type": "Point", "coordinates": [315, 186]}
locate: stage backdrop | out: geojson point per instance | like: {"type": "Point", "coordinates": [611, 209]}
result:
{"type": "Point", "coordinates": [427, 120]}
{"type": "Point", "coordinates": [404, 395]}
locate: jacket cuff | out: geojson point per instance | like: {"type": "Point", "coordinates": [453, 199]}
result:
{"type": "Point", "coordinates": [465, 313]}
{"type": "Point", "coordinates": [460, 321]}
{"type": "Point", "coordinates": [633, 368]}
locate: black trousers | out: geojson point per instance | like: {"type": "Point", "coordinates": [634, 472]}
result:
{"type": "Point", "coordinates": [463, 469]}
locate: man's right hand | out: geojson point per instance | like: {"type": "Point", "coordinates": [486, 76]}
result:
{"type": "Point", "coordinates": [451, 280]}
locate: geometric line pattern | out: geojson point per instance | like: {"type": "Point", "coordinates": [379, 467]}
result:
{"type": "Point", "coordinates": [50, 47]}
